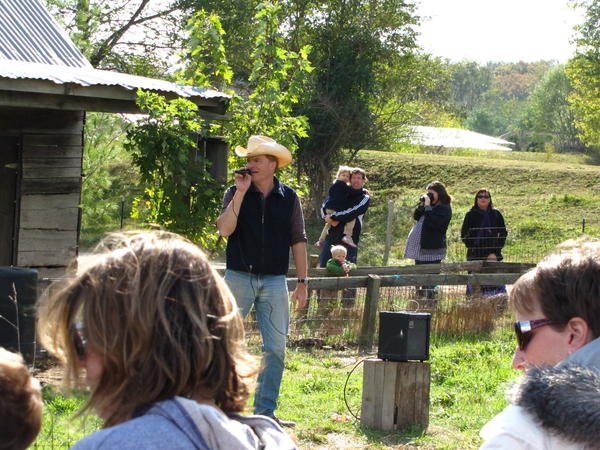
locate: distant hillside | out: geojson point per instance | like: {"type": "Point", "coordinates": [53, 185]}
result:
{"type": "Point", "coordinates": [544, 202]}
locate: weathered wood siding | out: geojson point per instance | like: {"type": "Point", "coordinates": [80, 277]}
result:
{"type": "Point", "coordinates": [50, 186]}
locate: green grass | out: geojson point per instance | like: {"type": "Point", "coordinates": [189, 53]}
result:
{"type": "Point", "coordinates": [60, 428]}
{"type": "Point", "coordinates": [468, 376]}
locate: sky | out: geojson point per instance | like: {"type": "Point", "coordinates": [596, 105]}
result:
{"type": "Point", "coordinates": [498, 30]}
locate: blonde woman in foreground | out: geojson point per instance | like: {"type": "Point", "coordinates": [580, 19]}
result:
{"type": "Point", "coordinates": [160, 341]}
{"type": "Point", "coordinates": [556, 404]}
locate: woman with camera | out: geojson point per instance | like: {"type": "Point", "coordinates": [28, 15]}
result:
{"type": "Point", "coordinates": [483, 230]}
{"type": "Point", "coordinates": [426, 242]}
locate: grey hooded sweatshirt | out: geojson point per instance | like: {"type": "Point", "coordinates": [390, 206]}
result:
{"type": "Point", "coordinates": [182, 424]}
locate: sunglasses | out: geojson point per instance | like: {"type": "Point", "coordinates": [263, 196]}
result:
{"type": "Point", "coordinates": [76, 332]}
{"type": "Point", "coordinates": [483, 196]}
{"type": "Point", "coordinates": [524, 330]}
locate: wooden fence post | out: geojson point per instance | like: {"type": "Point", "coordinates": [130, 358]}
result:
{"type": "Point", "coordinates": [365, 341]}
{"type": "Point", "coordinates": [388, 232]}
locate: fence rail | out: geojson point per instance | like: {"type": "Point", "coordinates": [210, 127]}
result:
{"type": "Point", "coordinates": [344, 310]}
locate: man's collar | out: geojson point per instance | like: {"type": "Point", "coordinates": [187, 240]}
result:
{"type": "Point", "coordinates": [277, 187]}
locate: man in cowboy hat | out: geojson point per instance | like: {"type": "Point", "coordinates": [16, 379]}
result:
{"type": "Point", "coordinates": [262, 218]}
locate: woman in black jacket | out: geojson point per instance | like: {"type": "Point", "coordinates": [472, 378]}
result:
{"type": "Point", "coordinates": [483, 230]}
{"type": "Point", "coordinates": [426, 242]}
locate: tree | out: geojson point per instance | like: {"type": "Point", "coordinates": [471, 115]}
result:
{"type": "Point", "coordinates": [362, 54]}
{"type": "Point", "coordinates": [470, 82]}
{"type": "Point", "coordinates": [363, 57]}
{"type": "Point", "coordinates": [583, 72]}
{"type": "Point", "coordinates": [133, 36]}
{"type": "Point", "coordinates": [179, 193]}
{"type": "Point", "coordinates": [265, 104]}
{"type": "Point", "coordinates": [109, 181]}
{"type": "Point", "coordinates": [547, 119]}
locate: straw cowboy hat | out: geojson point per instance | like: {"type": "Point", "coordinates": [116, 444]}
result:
{"type": "Point", "coordinates": [263, 145]}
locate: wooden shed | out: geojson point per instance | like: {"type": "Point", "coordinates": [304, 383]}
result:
{"type": "Point", "coordinates": [46, 87]}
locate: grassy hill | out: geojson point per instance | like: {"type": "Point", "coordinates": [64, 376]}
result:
{"type": "Point", "coordinates": [544, 198]}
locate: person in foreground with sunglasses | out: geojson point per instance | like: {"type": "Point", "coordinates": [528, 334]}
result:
{"type": "Point", "coordinates": [556, 404]}
{"type": "Point", "coordinates": [161, 342]}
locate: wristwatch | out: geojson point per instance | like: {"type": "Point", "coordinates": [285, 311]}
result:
{"type": "Point", "coordinates": [302, 280]}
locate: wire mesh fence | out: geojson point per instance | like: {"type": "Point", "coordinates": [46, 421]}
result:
{"type": "Point", "coordinates": [335, 317]}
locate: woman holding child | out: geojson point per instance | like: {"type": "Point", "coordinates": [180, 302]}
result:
{"type": "Point", "coordinates": [160, 340]}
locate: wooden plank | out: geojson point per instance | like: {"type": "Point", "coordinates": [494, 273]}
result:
{"type": "Point", "coordinates": [378, 395]}
{"type": "Point", "coordinates": [208, 108]}
{"type": "Point", "coordinates": [36, 173]}
{"type": "Point", "coordinates": [45, 240]}
{"type": "Point", "coordinates": [336, 283]}
{"type": "Point", "coordinates": [466, 266]}
{"type": "Point", "coordinates": [389, 410]}
{"type": "Point", "coordinates": [51, 186]}
{"type": "Point", "coordinates": [42, 141]}
{"type": "Point", "coordinates": [50, 162]}
{"type": "Point", "coordinates": [365, 340]}
{"type": "Point", "coordinates": [368, 406]}
{"type": "Point", "coordinates": [36, 120]}
{"type": "Point", "coordinates": [53, 151]}
{"type": "Point", "coordinates": [52, 202]}
{"type": "Point", "coordinates": [493, 279]}
{"type": "Point", "coordinates": [56, 258]}
{"type": "Point", "coordinates": [49, 219]}
{"type": "Point", "coordinates": [405, 394]}
{"type": "Point", "coordinates": [423, 383]}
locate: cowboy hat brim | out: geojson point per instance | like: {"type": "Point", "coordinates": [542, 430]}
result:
{"type": "Point", "coordinates": [283, 155]}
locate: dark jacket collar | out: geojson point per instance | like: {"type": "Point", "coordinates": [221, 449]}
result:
{"type": "Point", "coordinates": [277, 187]}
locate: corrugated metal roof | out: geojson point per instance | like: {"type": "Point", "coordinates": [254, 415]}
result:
{"type": "Point", "coordinates": [456, 138]}
{"type": "Point", "coordinates": [33, 46]}
{"type": "Point", "coordinates": [29, 33]}
{"type": "Point", "coordinates": [94, 77]}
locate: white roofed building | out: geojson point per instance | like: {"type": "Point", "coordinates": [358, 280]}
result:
{"type": "Point", "coordinates": [456, 138]}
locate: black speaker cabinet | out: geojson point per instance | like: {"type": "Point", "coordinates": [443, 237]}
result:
{"type": "Point", "coordinates": [403, 336]}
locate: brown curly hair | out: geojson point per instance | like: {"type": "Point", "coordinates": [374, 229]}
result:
{"type": "Point", "coordinates": [162, 321]}
{"type": "Point", "coordinates": [20, 403]}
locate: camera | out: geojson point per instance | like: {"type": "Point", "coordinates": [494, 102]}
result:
{"type": "Point", "coordinates": [422, 197]}
{"type": "Point", "coordinates": [243, 171]}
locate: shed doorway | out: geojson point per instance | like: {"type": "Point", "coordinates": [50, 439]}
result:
{"type": "Point", "coordinates": [9, 163]}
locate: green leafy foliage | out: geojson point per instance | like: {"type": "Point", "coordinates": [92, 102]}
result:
{"type": "Point", "coordinates": [275, 85]}
{"type": "Point", "coordinates": [362, 54]}
{"type": "Point", "coordinates": [547, 118]}
{"type": "Point", "coordinates": [110, 181]}
{"type": "Point", "coordinates": [180, 195]}
{"type": "Point", "coordinates": [584, 73]}
{"type": "Point", "coordinates": [206, 61]}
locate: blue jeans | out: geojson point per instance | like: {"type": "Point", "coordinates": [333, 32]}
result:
{"type": "Point", "coordinates": [269, 296]}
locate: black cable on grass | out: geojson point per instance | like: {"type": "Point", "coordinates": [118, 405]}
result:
{"type": "Point", "coordinates": [346, 385]}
